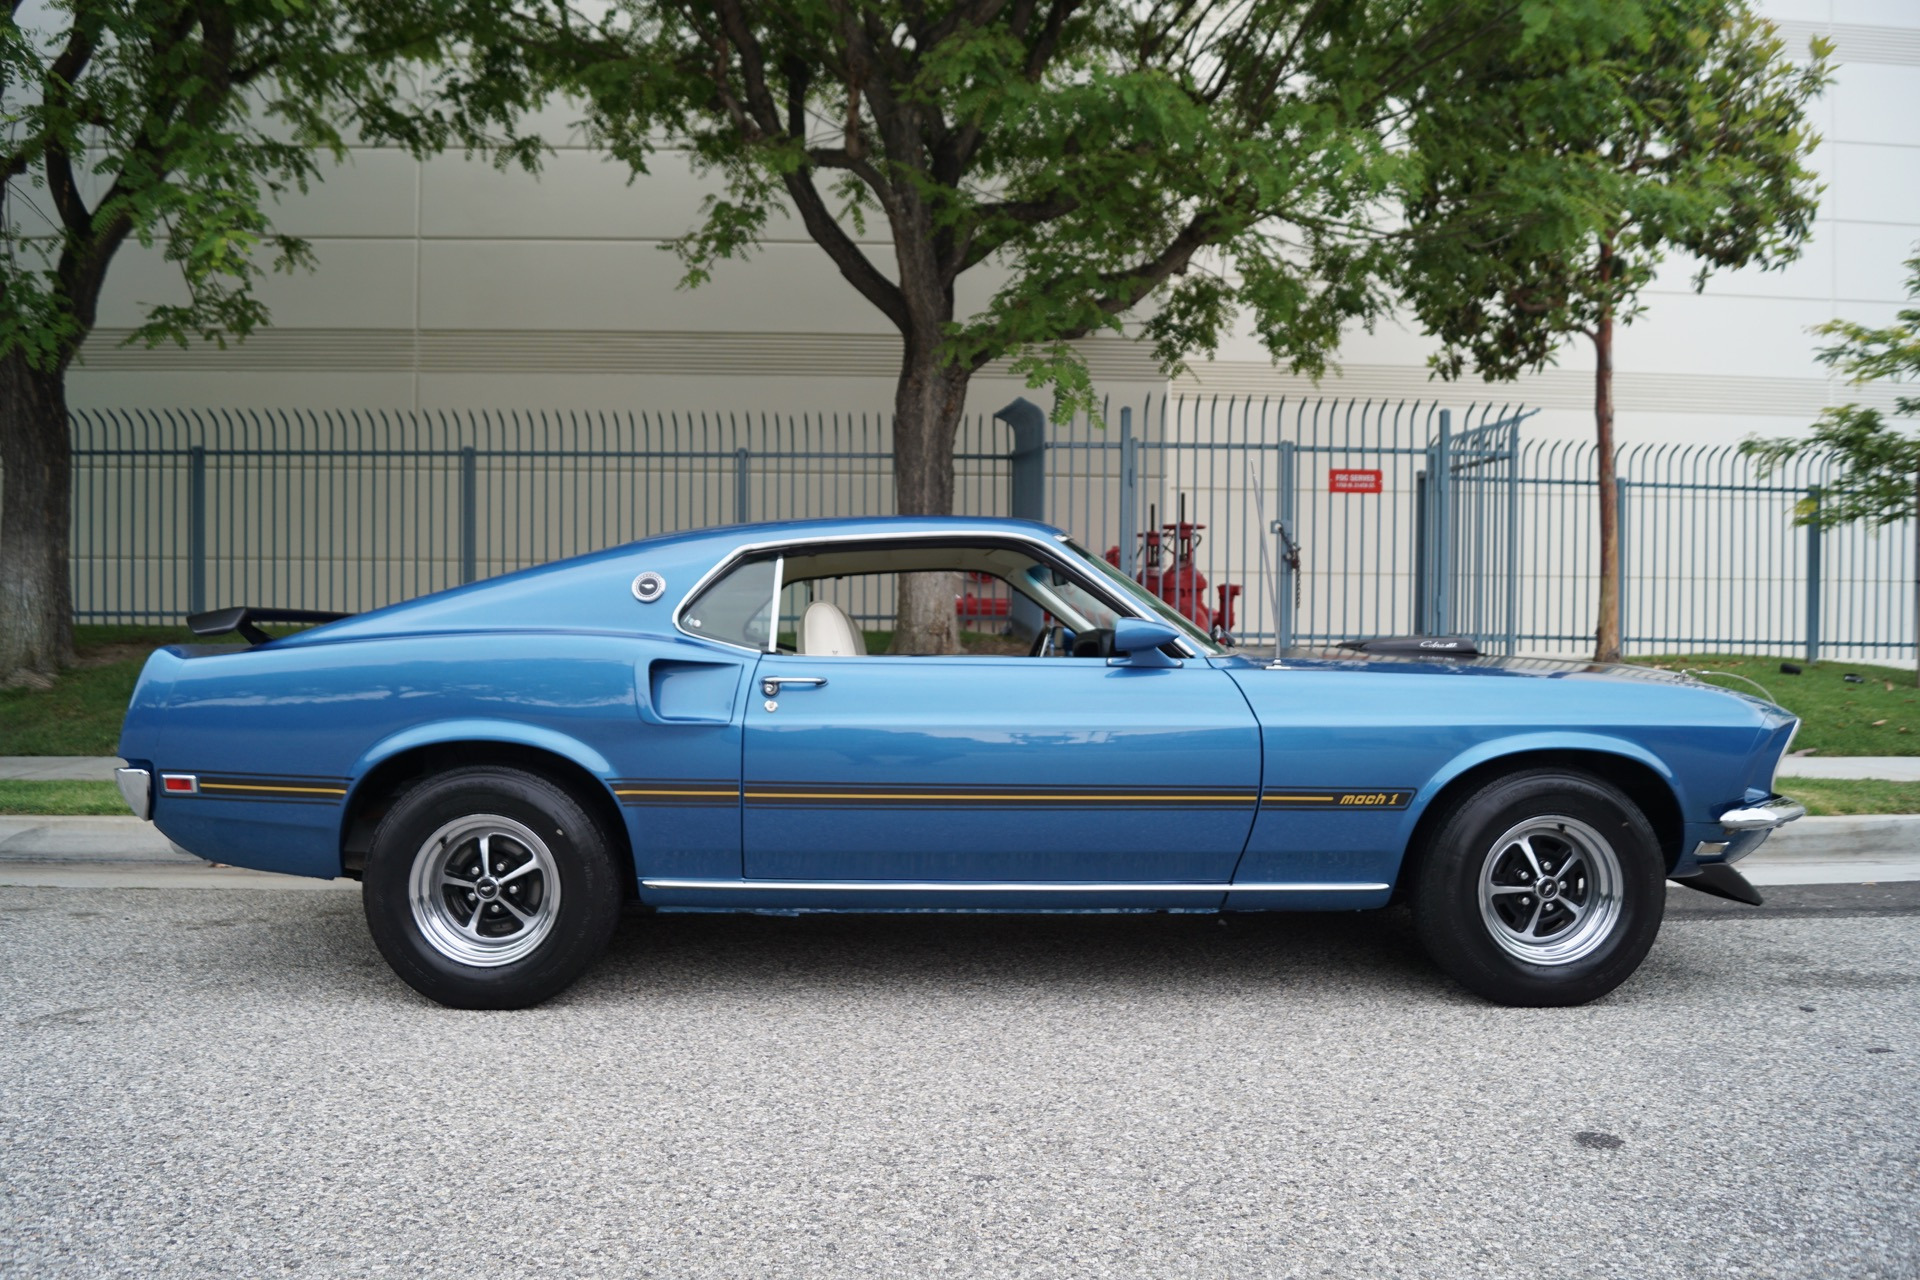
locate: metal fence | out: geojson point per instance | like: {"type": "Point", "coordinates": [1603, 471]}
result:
{"type": "Point", "coordinates": [1405, 517]}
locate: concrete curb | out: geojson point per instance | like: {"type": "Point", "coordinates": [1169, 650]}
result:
{"type": "Point", "coordinates": [129, 853]}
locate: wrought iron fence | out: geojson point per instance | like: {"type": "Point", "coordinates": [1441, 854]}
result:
{"type": "Point", "coordinates": [1404, 517]}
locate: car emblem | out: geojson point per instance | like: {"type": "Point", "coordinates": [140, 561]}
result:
{"type": "Point", "coordinates": [649, 587]}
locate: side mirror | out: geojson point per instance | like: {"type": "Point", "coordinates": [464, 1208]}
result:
{"type": "Point", "coordinates": [1137, 641]}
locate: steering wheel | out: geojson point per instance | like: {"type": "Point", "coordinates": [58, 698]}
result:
{"type": "Point", "coordinates": [1045, 640]}
{"type": "Point", "coordinates": [1094, 642]}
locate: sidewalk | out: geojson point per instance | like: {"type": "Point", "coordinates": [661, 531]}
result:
{"type": "Point", "coordinates": [126, 853]}
{"type": "Point", "coordinates": [1890, 768]}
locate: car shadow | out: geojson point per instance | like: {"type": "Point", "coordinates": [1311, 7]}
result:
{"type": "Point", "coordinates": [1122, 954]}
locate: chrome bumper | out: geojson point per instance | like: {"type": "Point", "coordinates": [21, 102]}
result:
{"type": "Point", "coordinates": [1747, 829]}
{"type": "Point", "coordinates": [1774, 811]}
{"type": "Point", "coordinates": [136, 788]}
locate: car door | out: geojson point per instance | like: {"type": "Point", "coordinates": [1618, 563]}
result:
{"type": "Point", "coordinates": [995, 770]}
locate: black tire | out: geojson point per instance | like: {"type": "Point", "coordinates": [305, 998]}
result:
{"type": "Point", "coordinates": [1475, 916]}
{"type": "Point", "coordinates": [534, 929]}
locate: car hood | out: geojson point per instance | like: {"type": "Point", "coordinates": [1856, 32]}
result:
{"type": "Point", "coordinates": [1511, 668]}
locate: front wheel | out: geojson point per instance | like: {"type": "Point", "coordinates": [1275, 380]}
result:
{"type": "Point", "coordinates": [1541, 888]}
{"type": "Point", "coordinates": [490, 888]}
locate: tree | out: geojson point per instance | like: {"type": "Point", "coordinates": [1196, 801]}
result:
{"type": "Point", "coordinates": [1198, 157]}
{"type": "Point", "coordinates": [1879, 465]}
{"type": "Point", "coordinates": [169, 123]}
{"type": "Point", "coordinates": [1575, 171]}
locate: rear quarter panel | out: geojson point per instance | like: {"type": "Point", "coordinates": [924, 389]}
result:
{"type": "Point", "coordinates": [282, 735]}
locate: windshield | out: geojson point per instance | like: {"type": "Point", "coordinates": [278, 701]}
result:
{"type": "Point", "coordinates": [1135, 592]}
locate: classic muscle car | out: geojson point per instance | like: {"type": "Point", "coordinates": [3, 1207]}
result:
{"type": "Point", "coordinates": [694, 722]}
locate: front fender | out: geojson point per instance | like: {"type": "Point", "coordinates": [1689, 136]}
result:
{"type": "Point", "coordinates": [1527, 743]}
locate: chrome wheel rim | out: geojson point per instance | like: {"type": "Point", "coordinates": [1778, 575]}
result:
{"type": "Point", "coordinates": [485, 890]}
{"type": "Point", "coordinates": [1550, 890]}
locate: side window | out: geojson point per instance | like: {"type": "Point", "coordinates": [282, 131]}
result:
{"type": "Point", "coordinates": [736, 608]}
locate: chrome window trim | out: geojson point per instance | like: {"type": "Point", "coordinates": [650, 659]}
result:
{"type": "Point", "coordinates": [773, 609]}
{"type": "Point", "coordinates": [1049, 555]}
{"type": "Point", "coordinates": [1014, 886]}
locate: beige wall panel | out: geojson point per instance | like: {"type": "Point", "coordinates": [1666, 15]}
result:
{"type": "Point", "coordinates": [271, 390]}
{"type": "Point", "coordinates": [1880, 13]}
{"type": "Point", "coordinates": [1874, 102]}
{"type": "Point", "coordinates": [1808, 277]}
{"type": "Point", "coordinates": [494, 284]}
{"type": "Point", "coordinates": [1874, 183]}
{"type": "Point", "coordinates": [371, 193]}
{"type": "Point", "coordinates": [1869, 263]}
{"type": "Point", "coordinates": [577, 195]}
{"type": "Point", "coordinates": [358, 284]}
{"type": "Point", "coordinates": [1796, 10]}
{"type": "Point", "coordinates": [1762, 337]}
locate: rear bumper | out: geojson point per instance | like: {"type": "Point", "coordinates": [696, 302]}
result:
{"type": "Point", "coordinates": [136, 788]}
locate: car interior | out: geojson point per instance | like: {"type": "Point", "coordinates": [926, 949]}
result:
{"type": "Point", "coordinates": [840, 600]}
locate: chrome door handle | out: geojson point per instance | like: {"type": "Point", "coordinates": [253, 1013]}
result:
{"type": "Point", "coordinates": [770, 685]}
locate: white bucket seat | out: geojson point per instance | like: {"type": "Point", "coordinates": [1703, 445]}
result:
{"type": "Point", "coordinates": [825, 630]}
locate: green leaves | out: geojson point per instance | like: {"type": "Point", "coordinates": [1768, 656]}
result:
{"type": "Point", "coordinates": [1189, 163]}
{"type": "Point", "coordinates": [175, 124]}
{"type": "Point", "coordinates": [1879, 464]}
{"type": "Point", "coordinates": [1569, 163]}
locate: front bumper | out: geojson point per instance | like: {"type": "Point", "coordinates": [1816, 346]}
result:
{"type": "Point", "coordinates": [1744, 828]}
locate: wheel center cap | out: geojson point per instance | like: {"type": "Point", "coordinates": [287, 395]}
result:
{"type": "Point", "coordinates": [487, 888]}
{"type": "Point", "coordinates": [1548, 889]}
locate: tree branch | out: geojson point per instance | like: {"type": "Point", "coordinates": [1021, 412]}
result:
{"type": "Point", "coordinates": [854, 265]}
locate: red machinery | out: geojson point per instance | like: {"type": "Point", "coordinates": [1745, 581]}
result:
{"type": "Point", "coordinates": [1180, 584]}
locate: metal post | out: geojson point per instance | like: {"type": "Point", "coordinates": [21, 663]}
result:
{"type": "Point", "coordinates": [1443, 527]}
{"type": "Point", "coordinates": [1513, 540]}
{"type": "Point", "coordinates": [742, 470]}
{"type": "Point", "coordinates": [1422, 548]}
{"type": "Point", "coordinates": [1814, 543]}
{"type": "Point", "coordinates": [1286, 623]}
{"type": "Point", "coordinates": [1027, 491]}
{"type": "Point", "coordinates": [197, 529]}
{"type": "Point", "coordinates": [1620, 524]}
{"type": "Point", "coordinates": [1129, 493]}
{"type": "Point", "coordinates": [469, 514]}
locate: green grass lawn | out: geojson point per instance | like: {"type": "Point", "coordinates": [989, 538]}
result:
{"type": "Point", "coordinates": [80, 715]}
{"type": "Point", "coordinates": [60, 799]}
{"type": "Point", "coordinates": [1822, 796]}
{"type": "Point", "coordinates": [1832, 797]}
{"type": "Point", "coordinates": [1878, 716]}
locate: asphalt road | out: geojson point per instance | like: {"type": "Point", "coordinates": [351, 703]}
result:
{"type": "Point", "coordinates": [229, 1083]}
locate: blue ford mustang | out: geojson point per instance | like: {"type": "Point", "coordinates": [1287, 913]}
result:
{"type": "Point", "coordinates": [693, 722]}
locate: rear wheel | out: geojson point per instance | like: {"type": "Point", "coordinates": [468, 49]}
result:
{"type": "Point", "coordinates": [490, 888]}
{"type": "Point", "coordinates": [1542, 888]}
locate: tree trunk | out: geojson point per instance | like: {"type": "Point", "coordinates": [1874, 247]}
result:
{"type": "Point", "coordinates": [926, 417]}
{"type": "Point", "coordinates": [36, 600]}
{"type": "Point", "coordinates": [1607, 634]}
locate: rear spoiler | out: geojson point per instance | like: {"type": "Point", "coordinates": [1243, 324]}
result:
{"type": "Point", "coordinates": [219, 622]}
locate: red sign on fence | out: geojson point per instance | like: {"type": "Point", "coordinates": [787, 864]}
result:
{"type": "Point", "coordinates": [1353, 480]}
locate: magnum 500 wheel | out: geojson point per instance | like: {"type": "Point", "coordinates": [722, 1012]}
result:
{"type": "Point", "coordinates": [490, 888]}
{"type": "Point", "coordinates": [1542, 888]}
